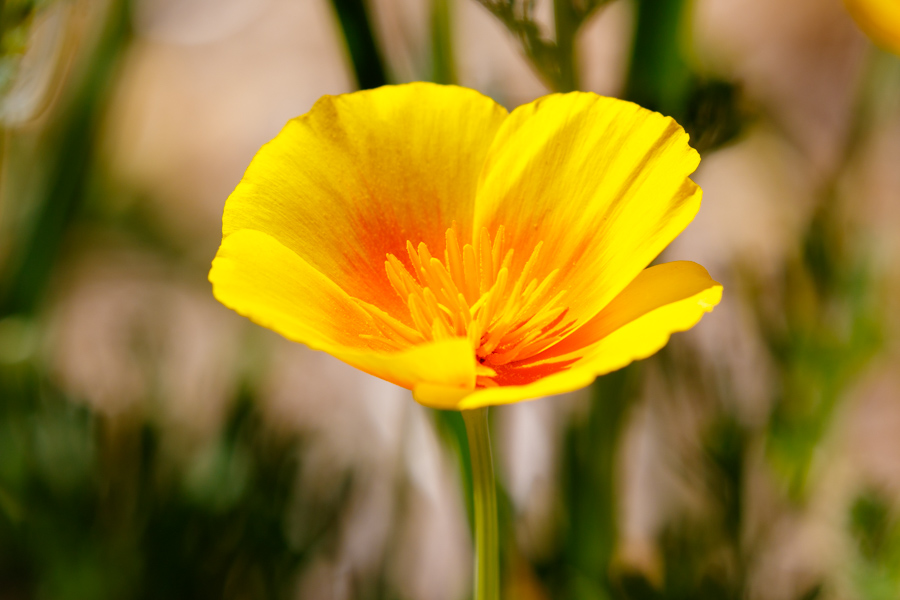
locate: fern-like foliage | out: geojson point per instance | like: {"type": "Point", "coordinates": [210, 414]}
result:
{"type": "Point", "coordinates": [553, 57]}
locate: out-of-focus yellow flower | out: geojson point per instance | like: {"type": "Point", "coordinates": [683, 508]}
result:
{"type": "Point", "coordinates": [476, 257]}
{"type": "Point", "coordinates": [880, 19]}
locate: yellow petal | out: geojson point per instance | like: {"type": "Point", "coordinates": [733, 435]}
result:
{"type": "Point", "coordinates": [443, 397]}
{"type": "Point", "coordinates": [602, 182]}
{"type": "Point", "coordinates": [658, 286]}
{"type": "Point", "coordinates": [362, 173]}
{"type": "Point", "coordinates": [879, 19]}
{"type": "Point", "coordinates": [260, 278]}
{"type": "Point", "coordinates": [662, 300]}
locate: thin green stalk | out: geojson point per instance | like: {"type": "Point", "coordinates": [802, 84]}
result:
{"type": "Point", "coordinates": [487, 563]}
{"type": "Point", "coordinates": [659, 77]}
{"type": "Point", "coordinates": [365, 54]}
{"type": "Point", "coordinates": [443, 65]}
{"type": "Point", "coordinates": [566, 23]}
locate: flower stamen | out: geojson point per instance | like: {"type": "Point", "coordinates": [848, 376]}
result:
{"type": "Point", "coordinates": [473, 294]}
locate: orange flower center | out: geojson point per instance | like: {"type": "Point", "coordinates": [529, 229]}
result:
{"type": "Point", "coordinates": [508, 317]}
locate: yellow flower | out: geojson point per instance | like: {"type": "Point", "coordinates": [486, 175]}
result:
{"type": "Point", "coordinates": [879, 19]}
{"type": "Point", "coordinates": [476, 257]}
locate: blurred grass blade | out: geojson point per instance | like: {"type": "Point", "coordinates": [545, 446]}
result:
{"type": "Point", "coordinates": [368, 63]}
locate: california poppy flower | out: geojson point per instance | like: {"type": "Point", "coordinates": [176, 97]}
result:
{"type": "Point", "coordinates": [477, 257]}
{"type": "Point", "coordinates": [879, 19]}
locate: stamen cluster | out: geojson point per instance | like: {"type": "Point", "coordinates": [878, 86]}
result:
{"type": "Point", "coordinates": [472, 293]}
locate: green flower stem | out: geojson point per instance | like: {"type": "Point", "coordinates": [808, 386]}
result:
{"type": "Point", "coordinates": [487, 563]}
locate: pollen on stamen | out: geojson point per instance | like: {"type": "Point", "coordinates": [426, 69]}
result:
{"type": "Point", "coordinates": [473, 293]}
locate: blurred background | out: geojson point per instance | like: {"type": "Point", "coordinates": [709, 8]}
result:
{"type": "Point", "coordinates": [154, 444]}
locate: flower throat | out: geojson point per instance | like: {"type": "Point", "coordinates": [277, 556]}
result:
{"type": "Point", "coordinates": [508, 318]}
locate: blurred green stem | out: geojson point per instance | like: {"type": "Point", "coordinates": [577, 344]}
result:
{"type": "Point", "coordinates": [659, 76]}
{"type": "Point", "coordinates": [566, 23]}
{"type": "Point", "coordinates": [442, 63]}
{"type": "Point", "coordinates": [487, 563]}
{"type": "Point", "coordinates": [368, 64]}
